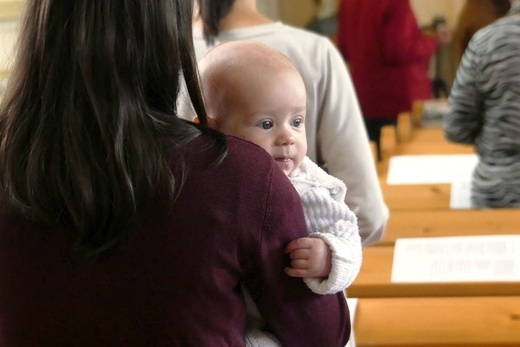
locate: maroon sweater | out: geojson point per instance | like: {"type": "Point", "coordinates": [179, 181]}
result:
{"type": "Point", "coordinates": [174, 281]}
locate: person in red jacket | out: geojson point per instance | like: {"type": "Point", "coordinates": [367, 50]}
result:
{"type": "Point", "coordinates": [388, 56]}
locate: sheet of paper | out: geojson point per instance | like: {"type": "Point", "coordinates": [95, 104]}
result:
{"type": "Point", "coordinates": [352, 307]}
{"type": "Point", "coordinates": [460, 194]}
{"type": "Point", "coordinates": [423, 169]}
{"type": "Point", "coordinates": [433, 112]}
{"type": "Point", "coordinates": [457, 259]}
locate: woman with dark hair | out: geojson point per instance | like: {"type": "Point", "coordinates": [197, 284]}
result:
{"type": "Point", "coordinates": [336, 134]}
{"type": "Point", "coordinates": [120, 223]}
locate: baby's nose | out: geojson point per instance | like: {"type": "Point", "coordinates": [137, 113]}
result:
{"type": "Point", "coordinates": [286, 137]}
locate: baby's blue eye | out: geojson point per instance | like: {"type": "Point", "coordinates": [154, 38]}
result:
{"type": "Point", "coordinates": [267, 124]}
{"type": "Point", "coordinates": [297, 122]}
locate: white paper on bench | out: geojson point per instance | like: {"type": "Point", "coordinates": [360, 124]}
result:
{"type": "Point", "coordinates": [460, 193]}
{"type": "Point", "coordinates": [352, 307]}
{"type": "Point", "coordinates": [423, 169]}
{"type": "Point", "coordinates": [457, 259]}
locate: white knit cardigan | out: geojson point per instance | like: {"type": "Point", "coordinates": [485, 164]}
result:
{"type": "Point", "coordinates": [329, 218]}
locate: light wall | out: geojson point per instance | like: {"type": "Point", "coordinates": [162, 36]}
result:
{"type": "Point", "coordinates": [426, 10]}
{"type": "Point", "coordinates": [8, 34]}
{"type": "Point", "coordinates": [269, 8]}
{"type": "Point", "coordinates": [299, 12]}
{"type": "Point", "coordinates": [295, 12]}
{"type": "Point", "coordinates": [10, 9]}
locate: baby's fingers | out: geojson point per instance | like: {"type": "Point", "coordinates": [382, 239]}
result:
{"type": "Point", "coordinates": [303, 253]}
{"type": "Point", "coordinates": [304, 242]}
{"type": "Point", "coordinates": [295, 272]}
{"type": "Point", "coordinates": [299, 268]}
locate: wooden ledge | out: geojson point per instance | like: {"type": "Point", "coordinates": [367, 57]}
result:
{"type": "Point", "coordinates": [438, 322]}
{"type": "Point", "coordinates": [374, 281]}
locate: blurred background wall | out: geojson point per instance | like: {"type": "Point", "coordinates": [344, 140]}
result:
{"type": "Point", "coordinates": [9, 19]}
{"type": "Point", "coordinates": [295, 12]}
{"type": "Point", "coordinates": [300, 12]}
{"type": "Point", "coordinates": [425, 10]}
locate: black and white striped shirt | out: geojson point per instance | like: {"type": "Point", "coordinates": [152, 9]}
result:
{"type": "Point", "coordinates": [484, 111]}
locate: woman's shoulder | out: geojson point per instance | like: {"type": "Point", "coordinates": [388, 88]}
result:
{"type": "Point", "coordinates": [245, 181]}
{"type": "Point", "coordinates": [242, 158]}
{"type": "Point", "coordinates": [245, 154]}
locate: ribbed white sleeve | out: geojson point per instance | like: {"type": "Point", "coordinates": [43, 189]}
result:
{"type": "Point", "coordinates": [329, 218]}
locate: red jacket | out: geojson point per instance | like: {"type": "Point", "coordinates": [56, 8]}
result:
{"type": "Point", "coordinates": [387, 53]}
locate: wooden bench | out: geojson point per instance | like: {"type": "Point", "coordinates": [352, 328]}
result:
{"type": "Point", "coordinates": [431, 141]}
{"type": "Point", "coordinates": [420, 141]}
{"type": "Point", "coordinates": [443, 222]}
{"type": "Point", "coordinates": [404, 127]}
{"type": "Point", "coordinates": [458, 314]}
{"type": "Point", "coordinates": [388, 141]}
{"type": "Point", "coordinates": [424, 141]}
{"type": "Point", "coordinates": [416, 113]}
{"type": "Point", "coordinates": [438, 322]}
{"type": "Point", "coordinates": [417, 196]}
{"type": "Point", "coordinates": [428, 135]}
{"type": "Point", "coordinates": [374, 281]}
{"type": "Point", "coordinates": [373, 150]}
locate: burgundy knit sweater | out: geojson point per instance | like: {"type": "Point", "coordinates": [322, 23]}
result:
{"type": "Point", "coordinates": [175, 279]}
{"type": "Point", "coordinates": [387, 53]}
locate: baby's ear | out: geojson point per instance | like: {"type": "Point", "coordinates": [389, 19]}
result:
{"type": "Point", "coordinates": [212, 122]}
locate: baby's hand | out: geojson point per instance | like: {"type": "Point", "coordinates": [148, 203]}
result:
{"type": "Point", "coordinates": [310, 257]}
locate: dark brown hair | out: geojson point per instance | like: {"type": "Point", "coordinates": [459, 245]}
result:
{"type": "Point", "coordinates": [211, 12]}
{"type": "Point", "coordinates": [90, 112]}
{"type": "Point", "coordinates": [502, 7]}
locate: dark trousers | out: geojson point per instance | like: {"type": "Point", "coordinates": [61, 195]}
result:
{"type": "Point", "coordinates": [374, 131]}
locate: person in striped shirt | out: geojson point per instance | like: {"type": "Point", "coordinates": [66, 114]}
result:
{"type": "Point", "coordinates": [484, 111]}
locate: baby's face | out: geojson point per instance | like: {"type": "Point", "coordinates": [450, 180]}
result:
{"type": "Point", "coordinates": [271, 113]}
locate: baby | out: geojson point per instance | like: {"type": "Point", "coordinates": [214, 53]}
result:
{"type": "Point", "coordinates": [254, 92]}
